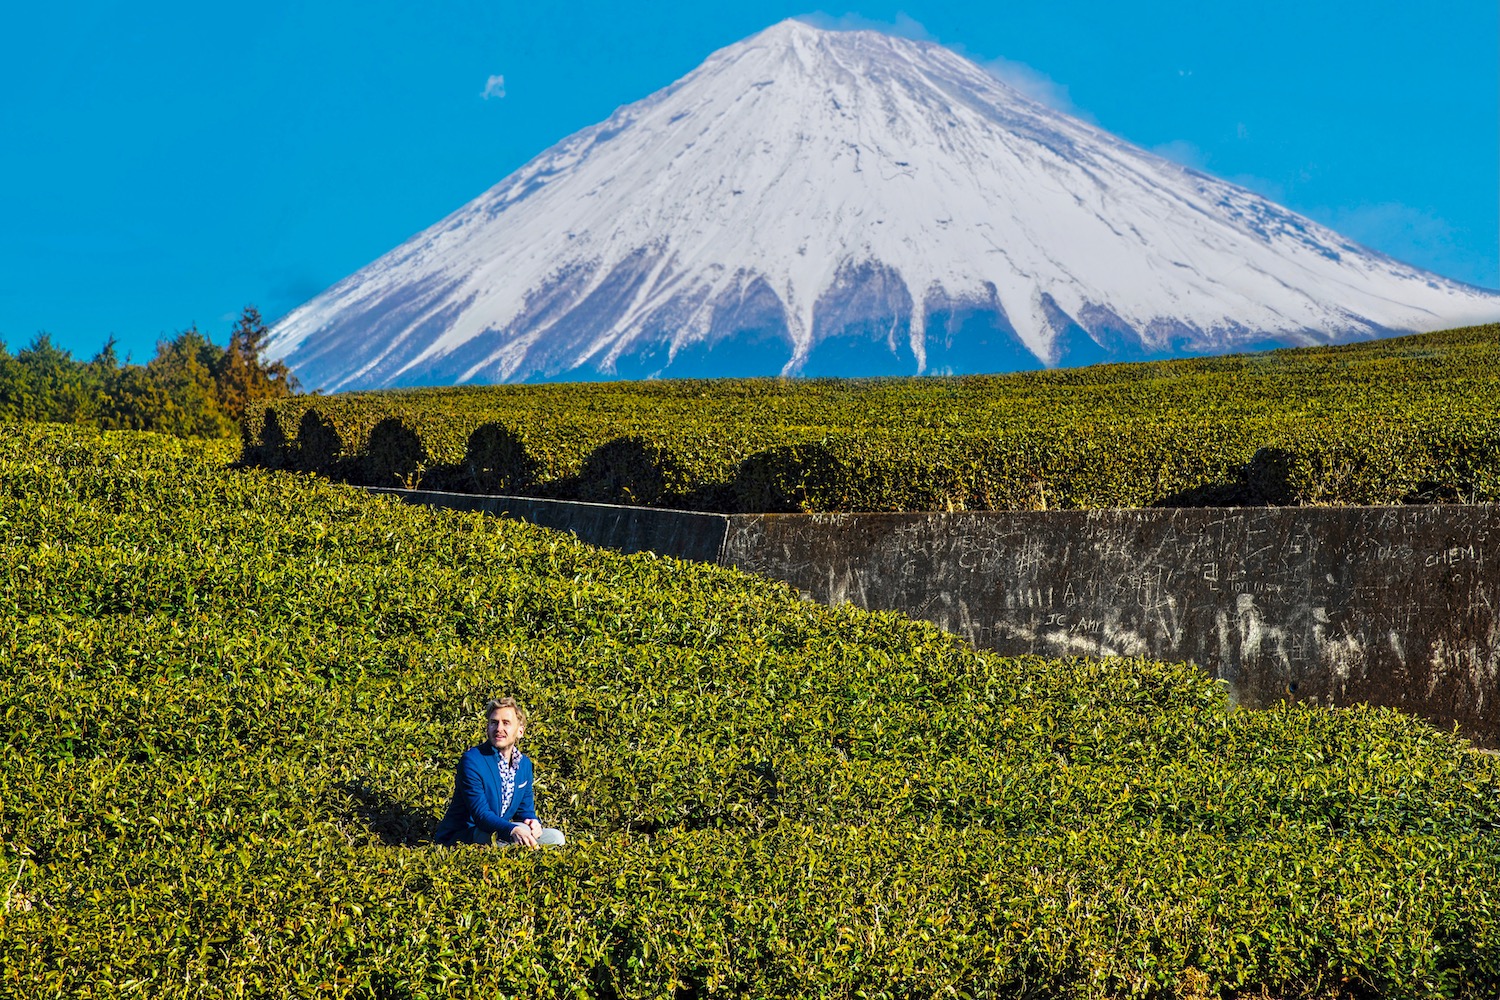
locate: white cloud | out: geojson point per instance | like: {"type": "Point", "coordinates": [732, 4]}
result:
{"type": "Point", "coordinates": [1262, 186]}
{"type": "Point", "coordinates": [493, 87]}
{"type": "Point", "coordinates": [904, 26]}
{"type": "Point", "coordinates": [1034, 84]}
{"type": "Point", "coordinates": [1030, 82]}
{"type": "Point", "coordinates": [1182, 152]}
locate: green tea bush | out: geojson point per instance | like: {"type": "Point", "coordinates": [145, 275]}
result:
{"type": "Point", "coordinates": [1409, 420]}
{"type": "Point", "coordinates": [232, 703]}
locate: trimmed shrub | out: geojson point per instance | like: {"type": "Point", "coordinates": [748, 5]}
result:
{"type": "Point", "coordinates": [497, 462]}
{"type": "Point", "coordinates": [319, 447]}
{"type": "Point", "coordinates": [394, 455]}
{"type": "Point", "coordinates": [633, 471]}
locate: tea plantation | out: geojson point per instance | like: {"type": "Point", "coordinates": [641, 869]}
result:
{"type": "Point", "coordinates": [1409, 420]}
{"type": "Point", "coordinates": [232, 702]}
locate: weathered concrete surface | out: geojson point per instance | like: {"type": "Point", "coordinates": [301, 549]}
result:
{"type": "Point", "coordinates": [1396, 606]}
{"type": "Point", "coordinates": [679, 533]}
{"type": "Point", "coordinates": [1390, 606]}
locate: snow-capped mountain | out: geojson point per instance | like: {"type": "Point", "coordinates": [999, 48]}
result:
{"type": "Point", "coordinates": [847, 203]}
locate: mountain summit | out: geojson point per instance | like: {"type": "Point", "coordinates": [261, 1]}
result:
{"type": "Point", "coordinates": [847, 203]}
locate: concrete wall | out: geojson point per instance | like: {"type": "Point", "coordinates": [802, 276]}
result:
{"type": "Point", "coordinates": [1387, 605]}
{"type": "Point", "coordinates": [679, 533]}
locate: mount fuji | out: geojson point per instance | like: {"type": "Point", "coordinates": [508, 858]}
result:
{"type": "Point", "coordinates": [812, 202]}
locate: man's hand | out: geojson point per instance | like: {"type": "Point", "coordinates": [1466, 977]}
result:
{"type": "Point", "coordinates": [522, 833]}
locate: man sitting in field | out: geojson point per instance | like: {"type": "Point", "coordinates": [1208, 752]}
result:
{"type": "Point", "coordinates": [492, 788]}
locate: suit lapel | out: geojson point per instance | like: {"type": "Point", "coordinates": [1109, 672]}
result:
{"type": "Point", "coordinates": [523, 777]}
{"type": "Point", "coordinates": [492, 777]}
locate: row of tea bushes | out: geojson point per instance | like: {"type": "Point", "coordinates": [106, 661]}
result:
{"type": "Point", "coordinates": [796, 911]}
{"type": "Point", "coordinates": [233, 701]}
{"type": "Point", "coordinates": [1389, 422]}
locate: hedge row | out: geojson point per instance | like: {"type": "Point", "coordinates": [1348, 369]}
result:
{"type": "Point", "coordinates": [233, 701]}
{"type": "Point", "coordinates": [1388, 422]}
{"type": "Point", "coordinates": [798, 911]}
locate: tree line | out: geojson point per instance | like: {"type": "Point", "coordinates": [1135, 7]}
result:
{"type": "Point", "coordinates": [191, 388]}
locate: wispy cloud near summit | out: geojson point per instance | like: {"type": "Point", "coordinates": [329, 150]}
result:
{"type": "Point", "coordinates": [494, 87]}
{"type": "Point", "coordinates": [1034, 84]}
{"type": "Point", "coordinates": [1029, 81]}
{"type": "Point", "coordinates": [904, 26]}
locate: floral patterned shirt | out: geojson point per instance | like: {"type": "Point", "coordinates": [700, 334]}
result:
{"type": "Point", "coordinates": [508, 777]}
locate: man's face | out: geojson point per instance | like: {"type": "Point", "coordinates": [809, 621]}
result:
{"type": "Point", "coordinates": [504, 729]}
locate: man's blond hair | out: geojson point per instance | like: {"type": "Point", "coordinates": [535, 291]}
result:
{"type": "Point", "coordinates": [506, 702]}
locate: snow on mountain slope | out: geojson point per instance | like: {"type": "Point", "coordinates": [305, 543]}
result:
{"type": "Point", "coordinates": [848, 203]}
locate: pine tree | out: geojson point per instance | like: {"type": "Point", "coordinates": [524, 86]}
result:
{"type": "Point", "coordinates": [185, 367]}
{"type": "Point", "coordinates": [243, 377]}
{"type": "Point", "coordinates": [53, 389]}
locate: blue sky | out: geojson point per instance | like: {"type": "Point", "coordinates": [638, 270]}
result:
{"type": "Point", "coordinates": [166, 163]}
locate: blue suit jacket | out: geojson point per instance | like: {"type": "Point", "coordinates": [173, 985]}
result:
{"type": "Point", "coordinates": [474, 815]}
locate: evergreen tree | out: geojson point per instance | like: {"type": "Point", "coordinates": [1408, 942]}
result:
{"type": "Point", "coordinates": [52, 389]}
{"type": "Point", "coordinates": [108, 359]}
{"type": "Point", "coordinates": [192, 387]}
{"type": "Point", "coordinates": [242, 376]}
{"type": "Point", "coordinates": [12, 386]}
{"type": "Point", "coordinates": [184, 367]}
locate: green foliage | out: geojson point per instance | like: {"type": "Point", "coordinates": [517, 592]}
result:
{"type": "Point", "coordinates": [232, 704]}
{"type": "Point", "coordinates": [242, 376]}
{"type": "Point", "coordinates": [1410, 420]}
{"type": "Point", "coordinates": [184, 368]}
{"type": "Point", "coordinates": [42, 382]}
{"type": "Point", "coordinates": [191, 388]}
